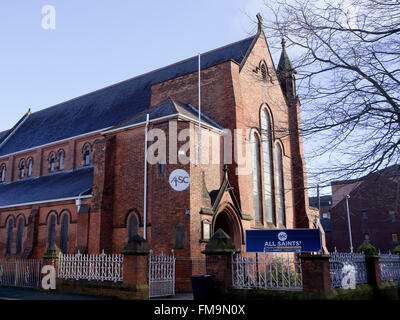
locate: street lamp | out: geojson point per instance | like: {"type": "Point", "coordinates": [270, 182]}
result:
{"type": "Point", "coordinates": [348, 222]}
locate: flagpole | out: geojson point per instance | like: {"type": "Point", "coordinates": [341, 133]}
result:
{"type": "Point", "coordinates": [199, 139]}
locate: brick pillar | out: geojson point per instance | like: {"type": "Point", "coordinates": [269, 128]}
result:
{"type": "Point", "coordinates": [51, 256]}
{"type": "Point", "coordinates": [373, 270]}
{"type": "Point", "coordinates": [316, 274]}
{"type": "Point", "coordinates": [136, 254]}
{"type": "Point", "coordinates": [218, 260]}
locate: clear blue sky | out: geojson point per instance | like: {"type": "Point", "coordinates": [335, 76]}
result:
{"type": "Point", "coordinates": [97, 43]}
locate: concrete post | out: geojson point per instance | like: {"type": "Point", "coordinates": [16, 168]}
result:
{"type": "Point", "coordinates": [316, 274]}
{"type": "Point", "coordinates": [136, 267]}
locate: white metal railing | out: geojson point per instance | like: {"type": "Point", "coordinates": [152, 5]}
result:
{"type": "Point", "coordinates": [389, 265]}
{"type": "Point", "coordinates": [100, 267]}
{"type": "Point", "coordinates": [161, 275]}
{"type": "Point", "coordinates": [339, 260]}
{"type": "Point", "coordinates": [20, 273]}
{"type": "Point", "coordinates": [267, 271]}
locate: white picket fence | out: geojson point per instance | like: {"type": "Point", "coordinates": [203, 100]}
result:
{"type": "Point", "coordinates": [389, 265]}
{"type": "Point", "coordinates": [100, 267]}
{"type": "Point", "coordinates": [267, 271]}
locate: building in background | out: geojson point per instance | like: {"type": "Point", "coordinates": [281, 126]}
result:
{"type": "Point", "coordinates": [374, 211]}
{"type": "Point", "coordinates": [323, 206]}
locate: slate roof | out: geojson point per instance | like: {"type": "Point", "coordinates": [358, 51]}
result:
{"type": "Point", "coordinates": [58, 185]}
{"type": "Point", "coordinates": [111, 105]}
{"type": "Point", "coordinates": [167, 108]}
{"type": "Point", "coordinates": [3, 134]}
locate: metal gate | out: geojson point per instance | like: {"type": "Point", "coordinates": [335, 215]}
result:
{"type": "Point", "coordinates": [161, 275]}
{"type": "Point", "coordinates": [25, 273]}
{"type": "Point", "coordinates": [268, 271]}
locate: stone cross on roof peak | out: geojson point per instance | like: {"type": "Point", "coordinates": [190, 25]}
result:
{"type": "Point", "coordinates": [260, 22]}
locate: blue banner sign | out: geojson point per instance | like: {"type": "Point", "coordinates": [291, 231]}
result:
{"type": "Point", "coordinates": [283, 240]}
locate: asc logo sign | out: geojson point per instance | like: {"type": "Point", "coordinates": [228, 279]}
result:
{"type": "Point", "coordinates": [179, 180]}
{"type": "Point", "coordinates": [282, 236]}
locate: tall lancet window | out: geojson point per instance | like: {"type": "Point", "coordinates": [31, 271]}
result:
{"type": "Point", "coordinates": [257, 179]}
{"type": "Point", "coordinates": [20, 232]}
{"type": "Point", "coordinates": [266, 136]}
{"type": "Point", "coordinates": [61, 160]}
{"type": "Point", "coordinates": [279, 185]}
{"type": "Point", "coordinates": [52, 161]}
{"type": "Point", "coordinates": [30, 165]}
{"type": "Point", "coordinates": [64, 234]}
{"type": "Point", "coordinates": [86, 155]}
{"type": "Point", "coordinates": [22, 168]}
{"type": "Point", "coordinates": [9, 236]}
{"type": "Point", "coordinates": [52, 231]}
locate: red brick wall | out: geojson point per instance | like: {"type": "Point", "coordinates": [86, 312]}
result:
{"type": "Point", "coordinates": [41, 232]}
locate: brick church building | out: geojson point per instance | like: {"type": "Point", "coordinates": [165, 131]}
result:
{"type": "Point", "coordinates": [74, 174]}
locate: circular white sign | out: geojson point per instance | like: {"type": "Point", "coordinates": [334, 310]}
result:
{"type": "Point", "coordinates": [282, 236]}
{"type": "Point", "coordinates": [179, 180]}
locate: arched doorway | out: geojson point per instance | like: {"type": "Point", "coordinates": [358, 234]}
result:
{"type": "Point", "coordinates": [227, 220]}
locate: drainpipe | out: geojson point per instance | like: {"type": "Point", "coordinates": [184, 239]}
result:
{"type": "Point", "coordinates": [145, 179]}
{"type": "Point", "coordinates": [78, 201]}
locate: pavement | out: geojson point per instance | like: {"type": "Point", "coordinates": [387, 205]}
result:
{"type": "Point", "coordinates": [178, 296]}
{"type": "Point", "coordinates": [33, 294]}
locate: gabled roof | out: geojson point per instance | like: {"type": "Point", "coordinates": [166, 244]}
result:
{"type": "Point", "coordinates": [60, 185]}
{"type": "Point", "coordinates": [216, 195]}
{"type": "Point", "coordinates": [164, 109]}
{"type": "Point", "coordinates": [109, 106]}
{"type": "Point", "coordinates": [379, 177]}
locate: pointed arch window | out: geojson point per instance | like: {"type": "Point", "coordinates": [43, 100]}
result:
{"type": "Point", "coordinates": [52, 231]}
{"type": "Point", "coordinates": [20, 232]}
{"type": "Point", "coordinates": [9, 236]}
{"type": "Point", "coordinates": [279, 185]}
{"type": "Point", "coordinates": [2, 173]}
{"type": "Point", "coordinates": [64, 234]}
{"type": "Point", "coordinates": [52, 162]}
{"type": "Point", "coordinates": [256, 178]}
{"type": "Point", "coordinates": [86, 155]}
{"type": "Point", "coordinates": [132, 226]}
{"type": "Point", "coordinates": [22, 168]}
{"type": "Point", "coordinates": [266, 136]}
{"type": "Point", "coordinates": [61, 156]}
{"type": "Point", "coordinates": [30, 165]}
